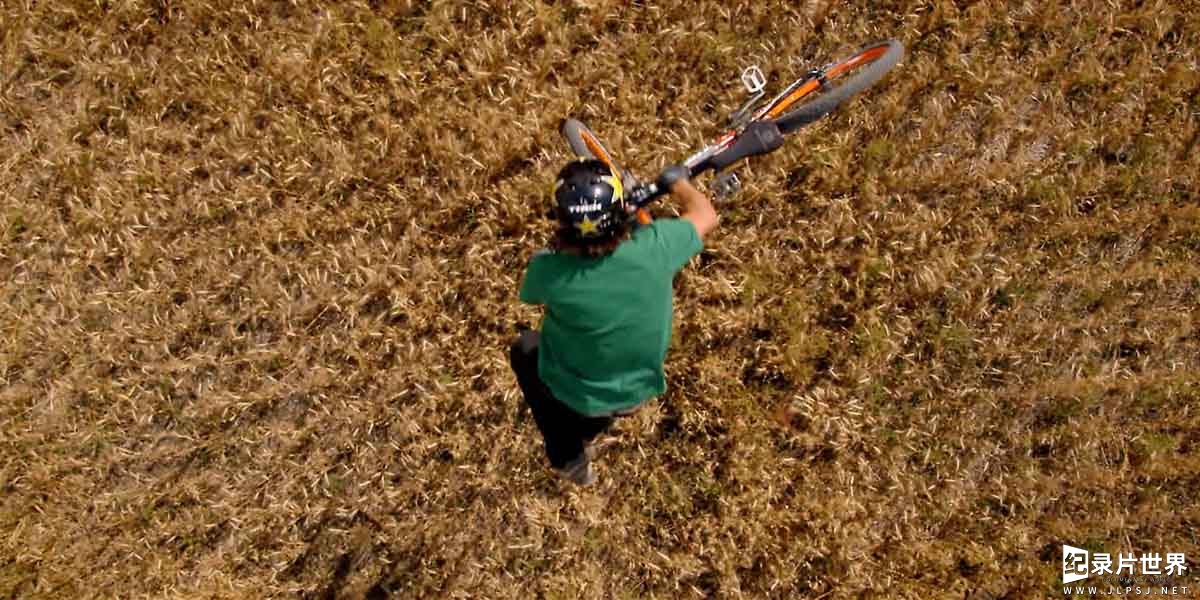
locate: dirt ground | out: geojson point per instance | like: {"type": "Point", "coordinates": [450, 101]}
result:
{"type": "Point", "coordinates": [259, 263]}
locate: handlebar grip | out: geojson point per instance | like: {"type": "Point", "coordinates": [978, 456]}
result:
{"type": "Point", "coordinates": [646, 193]}
{"type": "Point", "coordinates": [759, 137]}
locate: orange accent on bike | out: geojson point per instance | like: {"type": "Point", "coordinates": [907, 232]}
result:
{"type": "Point", "coordinates": [866, 56]}
{"type": "Point", "coordinates": [791, 98]}
{"type": "Point", "coordinates": [643, 217]}
{"type": "Point", "coordinates": [869, 55]}
{"type": "Point", "coordinates": [594, 146]}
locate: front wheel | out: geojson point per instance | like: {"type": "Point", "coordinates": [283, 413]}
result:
{"type": "Point", "coordinates": [820, 93]}
{"type": "Point", "coordinates": [586, 144]}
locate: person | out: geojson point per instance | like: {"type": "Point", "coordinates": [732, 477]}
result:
{"type": "Point", "coordinates": [607, 292]}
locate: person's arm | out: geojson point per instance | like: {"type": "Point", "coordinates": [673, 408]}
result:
{"type": "Point", "coordinates": [697, 208]}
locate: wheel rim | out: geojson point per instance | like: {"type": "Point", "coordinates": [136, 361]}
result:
{"type": "Point", "coordinates": [862, 58]}
{"type": "Point", "coordinates": [597, 149]}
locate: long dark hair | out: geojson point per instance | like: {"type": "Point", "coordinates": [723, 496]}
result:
{"type": "Point", "coordinates": [567, 242]}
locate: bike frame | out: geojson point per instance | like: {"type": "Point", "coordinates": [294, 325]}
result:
{"type": "Point", "coordinates": [701, 160]}
{"type": "Point", "coordinates": [755, 129]}
{"type": "Point", "coordinates": [696, 162]}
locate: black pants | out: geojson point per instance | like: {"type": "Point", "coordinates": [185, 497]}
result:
{"type": "Point", "coordinates": [565, 431]}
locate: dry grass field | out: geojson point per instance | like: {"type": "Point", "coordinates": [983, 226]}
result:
{"type": "Point", "coordinates": [259, 262]}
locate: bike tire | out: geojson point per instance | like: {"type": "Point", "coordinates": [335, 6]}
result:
{"type": "Point", "coordinates": [586, 144]}
{"type": "Point", "coordinates": [843, 80]}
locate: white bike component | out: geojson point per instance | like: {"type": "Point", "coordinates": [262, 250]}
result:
{"type": "Point", "coordinates": [755, 82]}
{"type": "Point", "coordinates": [753, 79]}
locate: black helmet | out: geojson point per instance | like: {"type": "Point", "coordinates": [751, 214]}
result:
{"type": "Point", "coordinates": [591, 202]}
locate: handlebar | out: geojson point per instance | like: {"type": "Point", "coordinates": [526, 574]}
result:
{"type": "Point", "coordinates": [760, 137]}
{"type": "Point", "coordinates": [644, 194]}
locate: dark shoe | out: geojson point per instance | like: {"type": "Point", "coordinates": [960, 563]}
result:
{"type": "Point", "coordinates": [578, 471]}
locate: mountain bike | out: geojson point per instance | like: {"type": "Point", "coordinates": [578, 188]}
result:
{"type": "Point", "coordinates": [756, 127]}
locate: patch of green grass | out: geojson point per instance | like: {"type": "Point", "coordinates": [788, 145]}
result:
{"type": "Point", "coordinates": [1002, 298]}
{"type": "Point", "coordinates": [877, 154]}
{"type": "Point", "coordinates": [1092, 299]}
{"type": "Point", "coordinates": [890, 436]}
{"type": "Point", "coordinates": [954, 339]}
{"type": "Point", "coordinates": [1158, 443]}
{"type": "Point", "coordinates": [16, 226]}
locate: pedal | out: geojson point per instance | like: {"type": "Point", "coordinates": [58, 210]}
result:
{"type": "Point", "coordinates": [725, 185]}
{"type": "Point", "coordinates": [754, 80]}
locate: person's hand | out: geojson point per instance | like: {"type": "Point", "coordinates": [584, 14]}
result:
{"type": "Point", "coordinates": [671, 175]}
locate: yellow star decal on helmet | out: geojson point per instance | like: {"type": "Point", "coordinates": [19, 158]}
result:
{"type": "Point", "coordinates": [586, 227]}
{"type": "Point", "coordinates": [618, 189]}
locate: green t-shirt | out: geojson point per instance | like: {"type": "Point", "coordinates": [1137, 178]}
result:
{"type": "Point", "coordinates": [608, 320]}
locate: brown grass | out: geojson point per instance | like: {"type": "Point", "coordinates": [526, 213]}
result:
{"type": "Point", "coordinates": [260, 262]}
